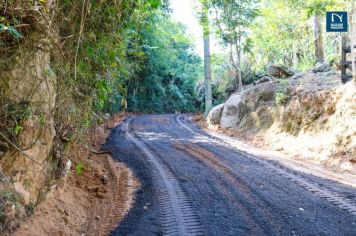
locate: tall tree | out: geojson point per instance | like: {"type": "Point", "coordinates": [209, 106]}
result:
{"type": "Point", "coordinates": [232, 19]}
{"type": "Point", "coordinates": [317, 9]}
{"type": "Point", "coordinates": [319, 46]}
{"type": "Point", "coordinates": [207, 60]}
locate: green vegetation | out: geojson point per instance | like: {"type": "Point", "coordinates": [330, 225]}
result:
{"type": "Point", "coordinates": [130, 55]}
{"type": "Point", "coordinates": [287, 32]}
{"type": "Point", "coordinates": [281, 94]}
{"type": "Point", "coordinates": [231, 20]}
{"type": "Point", "coordinates": [79, 168]}
{"type": "Point", "coordinates": [107, 56]}
{"type": "Point", "coordinates": [11, 31]}
{"type": "Point", "coordinates": [284, 33]}
{"type": "Point", "coordinates": [166, 83]}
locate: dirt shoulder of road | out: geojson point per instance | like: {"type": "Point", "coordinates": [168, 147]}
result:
{"type": "Point", "coordinates": [242, 142]}
{"type": "Point", "coordinates": [94, 197]}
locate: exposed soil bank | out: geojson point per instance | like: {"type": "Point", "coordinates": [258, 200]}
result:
{"type": "Point", "coordinates": [309, 116]}
{"type": "Point", "coordinates": [92, 199]}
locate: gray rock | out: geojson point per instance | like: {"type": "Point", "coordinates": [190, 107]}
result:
{"type": "Point", "coordinates": [107, 116]}
{"type": "Point", "coordinates": [297, 76]}
{"type": "Point", "coordinates": [105, 179]}
{"type": "Point", "coordinates": [331, 73]}
{"type": "Point", "coordinates": [214, 116]}
{"type": "Point", "coordinates": [238, 110]}
{"type": "Point", "coordinates": [266, 92]}
{"type": "Point", "coordinates": [229, 114]}
{"type": "Point", "coordinates": [321, 67]}
{"type": "Point", "coordinates": [279, 71]}
{"type": "Point", "coordinates": [2, 153]}
{"type": "Point", "coordinates": [264, 79]}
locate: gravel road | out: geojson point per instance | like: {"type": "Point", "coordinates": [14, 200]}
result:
{"type": "Point", "coordinates": [194, 184]}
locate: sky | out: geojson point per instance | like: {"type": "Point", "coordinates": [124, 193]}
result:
{"type": "Point", "coordinates": [183, 11]}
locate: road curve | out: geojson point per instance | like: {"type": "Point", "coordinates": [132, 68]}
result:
{"type": "Point", "coordinates": [195, 184]}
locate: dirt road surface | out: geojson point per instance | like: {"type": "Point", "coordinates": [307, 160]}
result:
{"type": "Point", "coordinates": [195, 184]}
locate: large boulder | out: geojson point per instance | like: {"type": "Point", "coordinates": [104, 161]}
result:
{"type": "Point", "coordinates": [229, 116]}
{"type": "Point", "coordinates": [251, 109]}
{"type": "Point", "coordinates": [214, 116]}
{"type": "Point", "coordinates": [263, 92]}
{"type": "Point", "coordinates": [279, 71]}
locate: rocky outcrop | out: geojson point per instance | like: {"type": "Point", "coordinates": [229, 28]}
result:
{"type": "Point", "coordinates": [31, 81]}
{"type": "Point", "coordinates": [242, 110]}
{"type": "Point", "coordinates": [214, 116]}
{"type": "Point", "coordinates": [264, 79]}
{"type": "Point", "coordinates": [279, 71]}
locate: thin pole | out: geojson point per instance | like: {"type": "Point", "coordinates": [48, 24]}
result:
{"type": "Point", "coordinates": [207, 69]}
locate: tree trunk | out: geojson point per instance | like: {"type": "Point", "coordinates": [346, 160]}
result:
{"type": "Point", "coordinates": [239, 69]}
{"type": "Point", "coordinates": [295, 56]}
{"type": "Point", "coordinates": [319, 47]}
{"type": "Point", "coordinates": [207, 68]}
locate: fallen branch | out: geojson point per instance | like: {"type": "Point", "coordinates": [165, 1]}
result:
{"type": "Point", "coordinates": [102, 152]}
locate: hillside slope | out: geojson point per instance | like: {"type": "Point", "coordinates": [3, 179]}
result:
{"type": "Point", "coordinates": [310, 115]}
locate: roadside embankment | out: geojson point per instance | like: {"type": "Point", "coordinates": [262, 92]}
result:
{"type": "Point", "coordinates": [94, 196]}
{"type": "Point", "coordinates": [310, 116]}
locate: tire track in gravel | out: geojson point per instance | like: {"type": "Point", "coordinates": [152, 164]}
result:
{"type": "Point", "coordinates": [248, 195]}
{"type": "Point", "coordinates": [177, 215]}
{"type": "Point", "coordinates": [261, 218]}
{"type": "Point", "coordinates": [315, 188]}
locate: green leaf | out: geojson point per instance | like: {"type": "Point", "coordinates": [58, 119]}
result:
{"type": "Point", "coordinates": [18, 129]}
{"type": "Point", "coordinates": [79, 168]}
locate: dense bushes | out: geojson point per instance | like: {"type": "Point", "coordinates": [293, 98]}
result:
{"type": "Point", "coordinates": [106, 56]}
{"type": "Point", "coordinates": [133, 57]}
{"type": "Point", "coordinates": [166, 82]}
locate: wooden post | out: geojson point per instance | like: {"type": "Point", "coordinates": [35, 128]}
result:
{"type": "Point", "coordinates": [344, 63]}
{"type": "Point", "coordinates": [344, 50]}
{"type": "Point", "coordinates": [353, 41]}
